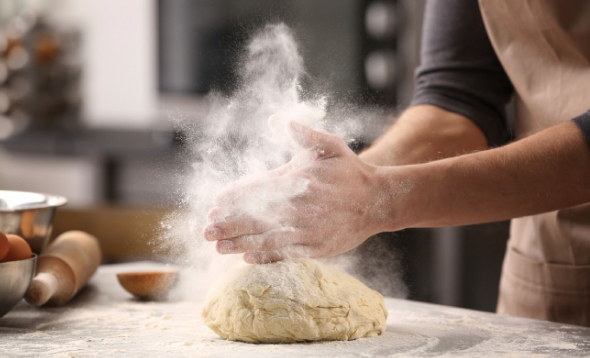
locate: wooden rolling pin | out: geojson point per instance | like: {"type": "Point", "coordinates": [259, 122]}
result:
{"type": "Point", "coordinates": [63, 269]}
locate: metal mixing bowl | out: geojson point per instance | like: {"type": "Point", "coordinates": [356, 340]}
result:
{"type": "Point", "coordinates": [15, 278]}
{"type": "Point", "coordinates": [29, 215]}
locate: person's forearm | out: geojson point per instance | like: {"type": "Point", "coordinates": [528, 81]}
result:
{"type": "Point", "coordinates": [544, 172]}
{"type": "Point", "coordinates": [425, 133]}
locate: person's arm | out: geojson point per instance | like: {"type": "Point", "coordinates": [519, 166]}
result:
{"type": "Point", "coordinates": [544, 172]}
{"type": "Point", "coordinates": [425, 133]}
{"type": "Point", "coordinates": [340, 200]}
{"type": "Point", "coordinates": [461, 92]}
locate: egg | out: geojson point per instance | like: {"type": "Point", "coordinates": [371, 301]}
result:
{"type": "Point", "coordinates": [19, 249]}
{"type": "Point", "coordinates": [4, 246]}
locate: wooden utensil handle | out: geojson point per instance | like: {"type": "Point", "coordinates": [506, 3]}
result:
{"type": "Point", "coordinates": [63, 268]}
{"type": "Point", "coordinates": [42, 288]}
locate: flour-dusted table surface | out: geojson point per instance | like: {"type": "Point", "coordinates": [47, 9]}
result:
{"type": "Point", "coordinates": [104, 321]}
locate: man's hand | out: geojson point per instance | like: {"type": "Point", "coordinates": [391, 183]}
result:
{"type": "Point", "coordinates": [324, 202]}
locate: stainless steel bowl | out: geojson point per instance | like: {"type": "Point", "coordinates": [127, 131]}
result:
{"type": "Point", "coordinates": [15, 278]}
{"type": "Point", "coordinates": [29, 215]}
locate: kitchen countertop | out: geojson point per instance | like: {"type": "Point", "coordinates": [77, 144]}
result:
{"type": "Point", "coordinates": [104, 320]}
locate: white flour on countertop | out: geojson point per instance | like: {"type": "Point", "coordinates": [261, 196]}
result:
{"type": "Point", "coordinates": [105, 321]}
{"type": "Point", "coordinates": [129, 328]}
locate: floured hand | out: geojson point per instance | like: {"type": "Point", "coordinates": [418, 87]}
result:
{"type": "Point", "coordinates": [324, 202]}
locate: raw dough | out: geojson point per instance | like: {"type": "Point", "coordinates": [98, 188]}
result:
{"type": "Point", "coordinates": [294, 301]}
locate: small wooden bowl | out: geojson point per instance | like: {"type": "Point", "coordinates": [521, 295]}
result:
{"type": "Point", "coordinates": [148, 284]}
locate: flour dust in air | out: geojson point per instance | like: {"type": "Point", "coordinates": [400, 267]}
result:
{"type": "Point", "coordinates": [234, 141]}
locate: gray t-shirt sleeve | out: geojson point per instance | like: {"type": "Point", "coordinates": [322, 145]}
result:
{"type": "Point", "coordinates": [460, 71]}
{"type": "Point", "coordinates": [583, 122]}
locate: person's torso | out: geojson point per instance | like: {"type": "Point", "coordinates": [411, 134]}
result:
{"type": "Point", "coordinates": [544, 47]}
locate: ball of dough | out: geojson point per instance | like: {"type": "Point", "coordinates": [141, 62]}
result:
{"type": "Point", "coordinates": [293, 301]}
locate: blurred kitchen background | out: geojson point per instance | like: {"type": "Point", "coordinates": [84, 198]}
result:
{"type": "Point", "coordinates": [89, 91]}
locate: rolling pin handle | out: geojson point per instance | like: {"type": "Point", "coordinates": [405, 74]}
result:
{"type": "Point", "coordinates": [42, 288]}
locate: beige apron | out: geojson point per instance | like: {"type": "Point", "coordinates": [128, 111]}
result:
{"type": "Point", "coordinates": [544, 46]}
